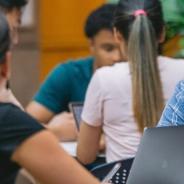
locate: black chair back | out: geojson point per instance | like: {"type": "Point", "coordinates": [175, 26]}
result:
{"type": "Point", "coordinates": [121, 175]}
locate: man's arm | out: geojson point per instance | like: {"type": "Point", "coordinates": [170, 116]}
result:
{"type": "Point", "coordinates": [42, 156]}
{"type": "Point", "coordinates": [39, 112]}
{"type": "Point", "coordinates": [62, 125]}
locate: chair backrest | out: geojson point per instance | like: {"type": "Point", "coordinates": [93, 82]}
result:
{"type": "Point", "coordinates": [121, 175]}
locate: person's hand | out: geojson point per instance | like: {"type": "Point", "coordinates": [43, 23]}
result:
{"type": "Point", "coordinates": [7, 96]}
{"type": "Point", "coordinates": [64, 127]}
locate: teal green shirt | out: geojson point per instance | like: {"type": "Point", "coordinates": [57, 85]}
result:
{"type": "Point", "coordinates": [67, 83]}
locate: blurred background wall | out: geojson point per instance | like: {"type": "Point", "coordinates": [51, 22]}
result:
{"type": "Point", "coordinates": [26, 60]}
{"type": "Point", "coordinates": [52, 32]}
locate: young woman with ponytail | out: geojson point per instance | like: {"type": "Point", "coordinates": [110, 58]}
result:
{"type": "Point", "coordinates": [125, 98]}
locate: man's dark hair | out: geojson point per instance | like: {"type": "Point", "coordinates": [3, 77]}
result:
{"type": "Point", "coordinates": [100, 18]}
{"type": "Point", "coordinates": [12, 3]}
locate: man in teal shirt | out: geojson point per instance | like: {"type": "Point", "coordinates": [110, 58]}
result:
{"type": "Point", "coordinates": [68, 82]}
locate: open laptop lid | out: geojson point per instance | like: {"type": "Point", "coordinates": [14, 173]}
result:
{"type": "Point", "coordinates": [160, 157]}
{"type": "Point", "coordinates": [76, 108]}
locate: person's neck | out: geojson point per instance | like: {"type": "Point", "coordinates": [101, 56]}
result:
{"type": "Point", "coordinates": [3, 84]}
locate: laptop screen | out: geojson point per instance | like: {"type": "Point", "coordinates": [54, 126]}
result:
{"type": "Point", "coordinates": [76, 109]}
{"type": "Point", "coordinates": [160, 157]}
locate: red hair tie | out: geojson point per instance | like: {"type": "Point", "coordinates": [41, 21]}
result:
{"type": "Point", "coordinates": [139, 12]}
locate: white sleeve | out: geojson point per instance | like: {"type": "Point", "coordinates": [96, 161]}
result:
{"type": "Point", "coordinates": [93, 106]}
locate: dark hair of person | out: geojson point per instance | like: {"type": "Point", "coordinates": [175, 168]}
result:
{"type": "Point", "coordinates": [4, 37]}
{"type": "Point", "coordinates": [140, 22]}
{"type": "Point", "coordinates": [9, 4]}
{"type": "Point", "coordinates": [100, 18]}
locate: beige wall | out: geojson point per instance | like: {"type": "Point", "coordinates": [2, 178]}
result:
{"type": "Point", "coordinates": [25, 68]}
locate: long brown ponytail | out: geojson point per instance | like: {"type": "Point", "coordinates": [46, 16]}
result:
{"type": "Point", "coordinates": [142, 31]}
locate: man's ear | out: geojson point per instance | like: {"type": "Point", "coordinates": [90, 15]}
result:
{"type": "Point", "coordinates": [91, 45]}
{"type": "Point", "coordinates": [162, 35]}
{"type": "Point", "coordinates": [5, 67]}
{"type": "Point", "coordinates": [117, 35]}
{"type": "Point", "coordinates": [122, 43]}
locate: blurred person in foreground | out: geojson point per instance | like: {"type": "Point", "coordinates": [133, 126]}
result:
{"type": "Point", "coordinates": [26, 143]}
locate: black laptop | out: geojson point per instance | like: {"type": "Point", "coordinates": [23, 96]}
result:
{"type": "Point", "coordinates": [76, 108]}
{"type": "Point", "coordinates": [160, 157]}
